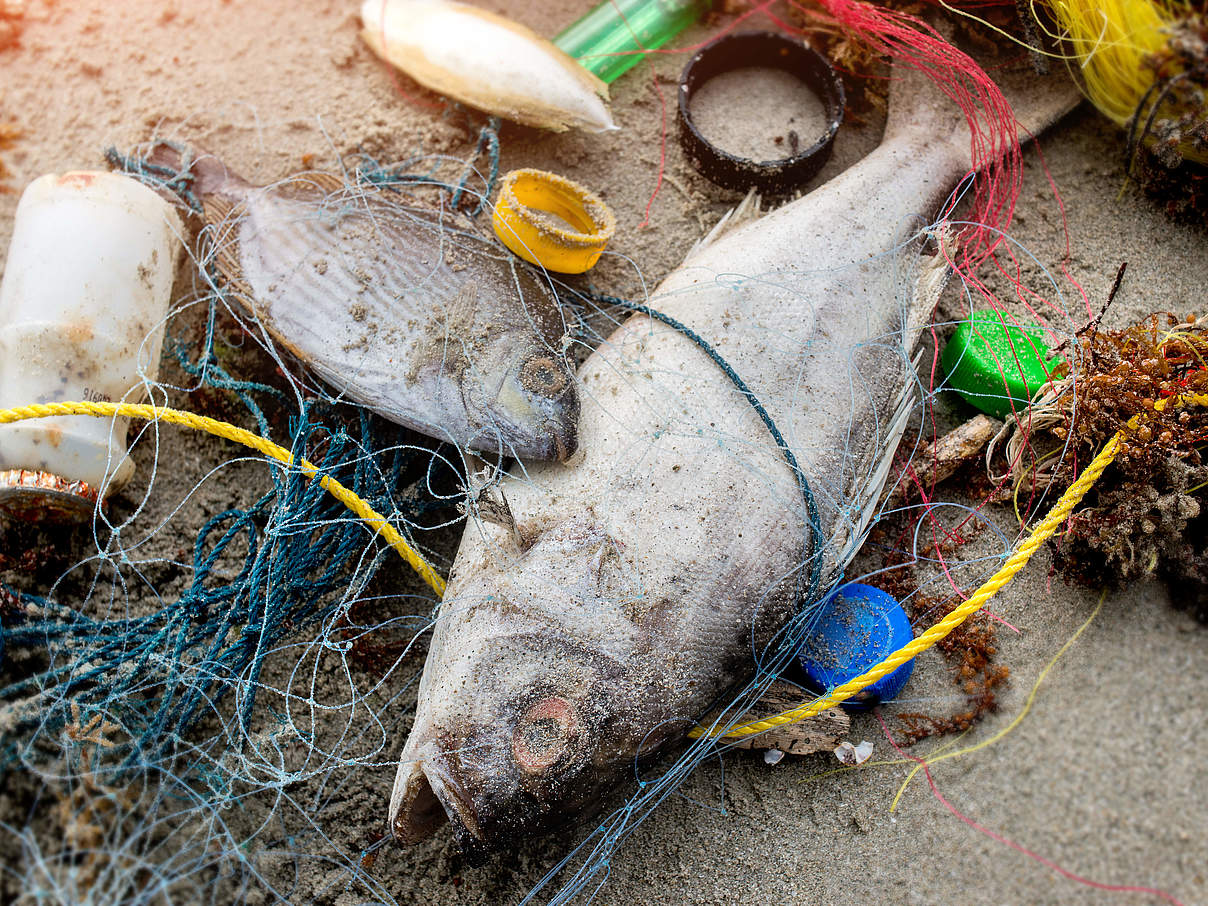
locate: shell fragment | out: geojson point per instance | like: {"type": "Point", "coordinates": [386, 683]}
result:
{"type": "Point", "coordinates": [486, 61]}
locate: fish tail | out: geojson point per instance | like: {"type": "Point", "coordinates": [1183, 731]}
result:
{"type": "Point", "coordinates": [210, 176]}
{"type": "Point", "coordinates": [940, 92]}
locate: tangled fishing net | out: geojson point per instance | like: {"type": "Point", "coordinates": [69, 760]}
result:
{"type": "Point", "coordinates": [150, 690]}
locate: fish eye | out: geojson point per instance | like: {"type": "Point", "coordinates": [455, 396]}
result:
{"type": "Point", "coordinates": [540, 374]}
{"type": "Point", "coordinates": [544, 734]}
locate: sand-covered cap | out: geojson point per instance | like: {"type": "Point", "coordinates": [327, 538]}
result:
{"type": "Point", "coordinates": [768, 50]}
{"type": "Point", "coordinates": [36, 496]}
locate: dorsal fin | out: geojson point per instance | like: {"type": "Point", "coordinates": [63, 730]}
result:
{"type": "Point", "coordinates": [868, 493]}
{"type": "Point", "coordinates": [737, 217]}
{"type": "Point", "coordinates": [217, 209]}
{"type": "Point", "coordinates": [222, 219]}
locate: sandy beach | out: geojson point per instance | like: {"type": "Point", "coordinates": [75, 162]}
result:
{"type": "Point", "coordinates": [1103, 779]}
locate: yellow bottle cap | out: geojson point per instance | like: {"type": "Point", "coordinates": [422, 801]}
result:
{"type": "Point", "coordinates": [550, 221]}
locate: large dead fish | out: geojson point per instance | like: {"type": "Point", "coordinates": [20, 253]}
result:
{"type": "Point", "coordinates": [638, 583]}
{"type": "Point", "coordinates": [405, 310]}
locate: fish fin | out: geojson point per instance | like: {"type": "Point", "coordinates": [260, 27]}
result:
{"type": "Point", "coordinates": [932, 276]}
{"type": "Point", "coordinates": [869, 494]}
{"type": "Point", "coordinates": [746, 211]}
{"type": "Point", "coordinates": [217, 209]}
{"type": "Point", "coordinates": [312, 183]}
{"type": "Point", "coordinates": [222, 217]}
{"type": "Point", "coordinates": [210, 175]}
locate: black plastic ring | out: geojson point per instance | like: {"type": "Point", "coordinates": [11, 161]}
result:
{"type": "Point", "coordinates": [769, 50]}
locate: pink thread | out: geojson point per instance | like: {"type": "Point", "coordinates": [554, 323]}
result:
{"type": "Point", "coordinates": [994, 835]}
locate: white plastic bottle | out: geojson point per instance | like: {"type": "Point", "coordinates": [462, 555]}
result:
{"type": "Point", "coordinates": [85, 292]}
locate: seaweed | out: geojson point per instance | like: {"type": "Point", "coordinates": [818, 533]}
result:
{"type": "Point", "coordinates": [1168, 132]}
{"type": "Point", "coordinates": [1145, 516]}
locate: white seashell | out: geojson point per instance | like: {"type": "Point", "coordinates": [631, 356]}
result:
{"type": "Point", "coordinates": [486, 61]}
{"type": "Point", "coordinates": [854, 755]}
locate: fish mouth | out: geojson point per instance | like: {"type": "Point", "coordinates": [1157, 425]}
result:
{"type": "Point", "coordinates": [566, 441]}
{"type": "Point", "coordinates": [425, 797]}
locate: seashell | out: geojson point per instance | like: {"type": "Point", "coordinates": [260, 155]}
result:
{"type": "Point", "coordinates": [486, 61]}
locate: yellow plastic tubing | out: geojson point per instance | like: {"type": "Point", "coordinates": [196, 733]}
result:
{"type": "Point", "coordinates": [568, 242]}
{"type": "Point", "coordinates": [1070, 499]}
{"type": "Point", "coordinates": [1111, 39]}
{"type": "Point", "coordinates": [363, 510]}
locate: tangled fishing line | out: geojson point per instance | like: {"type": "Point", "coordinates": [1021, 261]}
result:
{"type": "Point", "coordinates": [188, 723]}
{"type": "Point", "coordinates": [150, 711]}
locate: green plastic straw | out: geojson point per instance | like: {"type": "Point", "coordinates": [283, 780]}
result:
{"type": "Point", "coordinates": [609, 40]}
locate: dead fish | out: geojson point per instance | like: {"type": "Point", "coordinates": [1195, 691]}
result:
{"type": "Point", "coordinates": [640, 582]}
{"type": "Point", "coordinates": [402, 309]}
{"type": "Point", "coordinates": [489, 62]}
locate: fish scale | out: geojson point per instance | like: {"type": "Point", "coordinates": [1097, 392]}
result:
{"type": "Point", "coordinates": [287, 240]}
{"type": "Point", "coordinates": [817, 306]}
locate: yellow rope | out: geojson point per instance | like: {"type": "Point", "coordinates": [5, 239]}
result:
{"type": "Point", "coordinates": [363, 510]}
{"type": "Point", "coordinates": [939, 755]}
{"type": "Point", "coordinates": [1070, 499]}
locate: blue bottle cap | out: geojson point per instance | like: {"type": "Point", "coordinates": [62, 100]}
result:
{"type": "Point", "coordinates": [859, 627]}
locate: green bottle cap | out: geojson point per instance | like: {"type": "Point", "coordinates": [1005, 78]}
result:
{"type": "Point", "coordinates": [996, 365]}
{"type": "Point", "coordinates": [609, 40]}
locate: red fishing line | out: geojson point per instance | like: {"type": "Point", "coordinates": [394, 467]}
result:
{"type": "Point", "coordinates": [997, 161]}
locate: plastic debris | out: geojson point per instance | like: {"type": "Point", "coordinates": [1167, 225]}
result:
{"type": "Point", "coordinates": [616, 35]}
{"type": "Point", "coordinates": [82, 308]}
{"type": "Point", "coordinates": [552, 222]}
{"type": "Point", "coordinates": [858, 627]}
{"type": "Point", "coordinates": [772, 51]}
{"type": "Point", "coordinates": [997, 366]}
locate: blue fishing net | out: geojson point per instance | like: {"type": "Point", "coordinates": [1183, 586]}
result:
{"type": "Point", "coordinates": [138, 732]}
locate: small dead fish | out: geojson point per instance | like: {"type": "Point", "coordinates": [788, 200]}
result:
{"type": "Point", "coordinates": [489, 62]}
{"type": "Point", "coordinates": [428, 324]}
{"type": "Point", "coordinates": [640, 581]}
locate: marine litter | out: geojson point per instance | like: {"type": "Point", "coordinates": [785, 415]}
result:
{"type": "Point", "coordinates": [208, 681]}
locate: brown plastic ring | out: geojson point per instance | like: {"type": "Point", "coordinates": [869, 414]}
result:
{"type": "Point", "coordinates": [768, 50]}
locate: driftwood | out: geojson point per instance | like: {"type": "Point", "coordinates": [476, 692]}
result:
{"type": "Point", "coordinates": [821, 733]}
{"type": "Point", "coordinates": [933, 462]}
